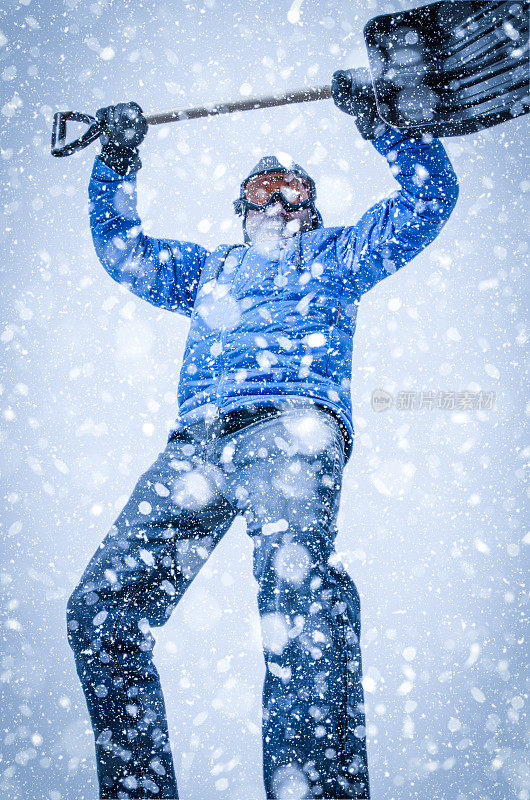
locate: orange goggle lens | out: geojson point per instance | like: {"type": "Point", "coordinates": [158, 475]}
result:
{"type": "Point", "coordinates": [293, 189]}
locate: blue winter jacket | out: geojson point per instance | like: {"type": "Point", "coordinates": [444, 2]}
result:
{"type": "Point", "coordinates": [276, 324]}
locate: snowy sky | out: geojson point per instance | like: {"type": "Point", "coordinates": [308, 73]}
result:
{"type": "Point", "coordinates": [432, 515]}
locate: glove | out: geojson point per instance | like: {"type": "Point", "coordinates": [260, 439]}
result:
{"type": "Point", "coordinates": [353, 93]}
{"type": "Point", "coordinates": [124, 128]}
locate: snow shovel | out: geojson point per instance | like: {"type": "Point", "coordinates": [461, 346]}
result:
{"type": "Point", "coordinates": [450, 68]}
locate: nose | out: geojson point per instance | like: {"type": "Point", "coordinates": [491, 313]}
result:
{"type": "Point", "coordinates": [275, 209]}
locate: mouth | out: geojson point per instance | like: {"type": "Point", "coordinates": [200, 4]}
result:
{"type": "Point", "coordinates": [275, 223]}
{"type": "Point", "coordinates": [279, 227]}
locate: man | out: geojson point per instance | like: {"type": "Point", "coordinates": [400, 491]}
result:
{"type": "Point", "coordinates": [264, 430]}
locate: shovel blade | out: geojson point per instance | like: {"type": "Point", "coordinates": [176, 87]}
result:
{"type": "Point", "coordinates": [450, 68]}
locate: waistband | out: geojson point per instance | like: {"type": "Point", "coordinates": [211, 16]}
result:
{"type": "Point", "coordinates": [240, 418]}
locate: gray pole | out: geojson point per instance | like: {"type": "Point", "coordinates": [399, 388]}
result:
{"type": "Point", "coordinates": [265, 101]}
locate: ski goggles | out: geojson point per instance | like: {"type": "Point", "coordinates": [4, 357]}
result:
{"type": "Point", "coordinates": [293, 192]}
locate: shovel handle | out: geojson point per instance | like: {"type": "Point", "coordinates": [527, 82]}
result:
{"type": "Point", "coordinates": [265, 101]}
{"type": "Point", "coordinates": [60, 148]}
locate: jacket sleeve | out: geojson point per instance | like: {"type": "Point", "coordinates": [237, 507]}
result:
{"type": "Point", "coordinates": [162, 271]}
{"type": "Point", "coordinates": [396, 229]}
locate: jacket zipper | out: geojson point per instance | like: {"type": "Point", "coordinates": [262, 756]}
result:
{"type": "Point", "coordinates": [222, 373]}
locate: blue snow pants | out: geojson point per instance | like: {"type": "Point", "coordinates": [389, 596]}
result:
{"type": "Point", "coordinates": [282, 470]}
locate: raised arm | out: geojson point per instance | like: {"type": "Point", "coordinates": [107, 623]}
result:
{"type": "Point", "coordinates": [162, 271]}
{"type": "Point", "coordinates": [397, 228]}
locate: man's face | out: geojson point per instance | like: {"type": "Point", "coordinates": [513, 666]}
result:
{"type": "Point", "coordinates": [275, 222]}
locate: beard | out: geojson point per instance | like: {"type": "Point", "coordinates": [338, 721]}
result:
{"type": "Point", "coordinates": [270, 229]}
